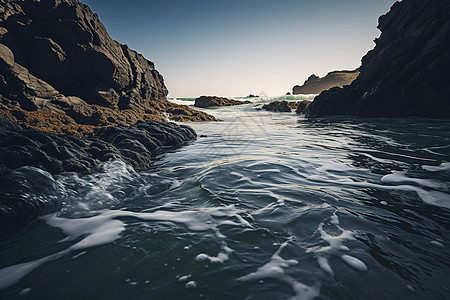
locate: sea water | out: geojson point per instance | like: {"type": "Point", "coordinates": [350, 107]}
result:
{"type": "Point", "coordinates": [262, 206]}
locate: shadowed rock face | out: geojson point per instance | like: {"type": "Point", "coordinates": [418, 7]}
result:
{"type": "Point", "coordinates": [406, 74]}
{"type": "Point", "coordinates": [286, 106]}
{"type": "Point", "coordinates": [58, 62]}
{"type": "Point", "coordinates": [207, 101]}
{"type": "Point", "coordinates": [315, 84]}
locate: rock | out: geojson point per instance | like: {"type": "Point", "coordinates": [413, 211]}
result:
{"type": "Point", "coordinates": [315, 84]}
{"type": "Point", "coordinates": [29, 157]}
{"type": "Point", "coordinates": [406, 74]}
{"type": "Point", "coordinates": [207, 101]}
{"type": "Point", "coordinates": [285, 106]}
{"type": "Point", "coordinates": [58, 64]}
{"type": "Point", "coordinates": [252, 96]}
{"type": "Point", "coordinates": [302, 106]}
{"type": "Point", "coordinates": [288, 93]}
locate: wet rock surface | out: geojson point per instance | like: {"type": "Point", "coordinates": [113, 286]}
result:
{"type": "Point", "coordinates": [208, 101]}
{"type": "Point", "coordinates": [286, 106]}
{"type": "Point", "coordinates": [56, 153]}
{"type": "Point", "coordinates": [406, 74]}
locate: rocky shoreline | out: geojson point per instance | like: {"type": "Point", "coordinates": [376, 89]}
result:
{"type": "Point", "coordinates": [60, 71]}
{"type": "Point", "coordinates": [44, 153]}
{"type": "Point", "coordinates": [71, 98]}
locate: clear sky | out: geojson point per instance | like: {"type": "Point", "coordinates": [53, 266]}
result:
{"type": "Point", "coordinates": [238, 47]}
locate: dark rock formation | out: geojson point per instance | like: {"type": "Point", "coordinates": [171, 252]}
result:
{"type": "Point", "coordinates": [285, 106]}
{"type": "Point", "coordinates": [207, 101]}
{"type": "Point", "coordinates": [315, 84]}
{"type": "Point", "coordinates": [406, 74]}
{"type": "Point", "coordinates": [302, 106]}
{"type": "Point", "coordinates": [27, 155]}
{"type": "Point", "coordinates": [58, 63]}
{"type": "Point", "coordinates": [252, 96]}
{"type": "Point", "coordinates": [56, 153]}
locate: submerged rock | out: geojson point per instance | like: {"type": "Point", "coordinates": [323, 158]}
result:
{"type": "Point", "coordinates": [315, 84]}
{"type": "Point", "coordinates": [406, 74]}
{"type": "Point", "coordinates": [286, 106]}
{"type": "Point", "coordinates": [207, 101]}
{"type": "Point", "coordinates": [60, 71]}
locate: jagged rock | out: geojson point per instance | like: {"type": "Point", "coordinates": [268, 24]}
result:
{"type": "Point", "coordinates": [56, 58]}
{"type": "Point", "coordinates": [302, 106]}
{"type": "Point", "coordinates": [315, 84]}
{"type": "Point", "coordinates": [406, 74]}
{"type": "Point", "coordinates": [207, 101]}
{"type": "Point", "coordinates": [285, 106]}
{"type": "Point", "coordinates": [58, 153]}
{"type": "Point", "coordinates": [252, 96]}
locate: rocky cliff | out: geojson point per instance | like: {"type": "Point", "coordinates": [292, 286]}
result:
{"type": "Point", "coordinates": [315, 84]}
{"type": "Point", "coordinates": [61, 71]}
{"type": "Point", "coordinates": [406, 74]}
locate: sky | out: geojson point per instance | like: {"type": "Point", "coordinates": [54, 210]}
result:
{"type": "Point", "coordinates": [237, 47]}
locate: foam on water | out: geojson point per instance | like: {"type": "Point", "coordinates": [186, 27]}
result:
{"type": "Point", "coordinates": [274, 269]}
{"type": "Point", "coordinates": [220, 258]}
{"type": "Point", "coordinates": [325, 182]}
{"type": "Point", "coordinates": [354, 263]}
{"type": "Point", "coordinates": [105, 228]}
{"type": "Point", "coordinates": [400, 177]}
{"type": "Point", "coordinates": [429, 191]}
{"type": "Point", "coordinates": [335, 247]}
{"type": "Point", "coordinates": [442, 167]}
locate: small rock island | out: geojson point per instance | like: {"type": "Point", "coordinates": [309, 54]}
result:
{"type": "Point", "coordinates": [209, 101]}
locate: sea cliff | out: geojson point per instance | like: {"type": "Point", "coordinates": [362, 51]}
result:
{"type": "Point", "coordinates": [406, 74]}
{"type": "Point", "coordinates": [315, 84]}
{"type": "Point", "coordinates": [60, 71]}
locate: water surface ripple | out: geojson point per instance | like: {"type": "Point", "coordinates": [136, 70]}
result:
{"type": "Point", "coordinates": [263, 206]}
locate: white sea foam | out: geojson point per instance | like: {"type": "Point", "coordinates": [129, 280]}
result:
{"type": "Point", "coordinates": [220, 258]}
{"type": "Point", "coordinates": [354, 263]}
{"type": "Point", "coordinates": [432, 197]}
{"type": "Point", "coordinates": [184, 278]}
{"type": "Point", "coordinates": [437, 244]}
{"type": "Point", "coordinates": [105, 228]}
{"type": "Point", "coordinates": [400, 177]}
{"type": "Point", "coordinates": [191, 285]}
{"type": "Point", "coordinates": [442, 167]}
{"type": "Point", "coordinates": [275, 269]}
{"type": "Point", "coordinates": [335, 247]}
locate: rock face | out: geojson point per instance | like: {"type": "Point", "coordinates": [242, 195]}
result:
{"type": "Point", "coordinates": [56, 153]}
{"type": "Point", "coordinates": [315, 84]}
{"type": "Point", "coordinates": [58, 63]}
{"type": "Point", "coordinates": [406, 74]}
{"type": "Point", "coordinates": [207, 101]}
{"type": "Point", "coordinates": [26, 157]}
{"type": "Point", "coordinates": [285, 106]}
